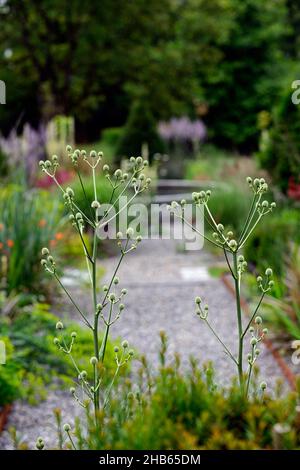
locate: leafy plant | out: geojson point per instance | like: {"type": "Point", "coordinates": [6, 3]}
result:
{"type": "Point", "coordinates": [285, 312]}
{"type": "Point", "coordinates": [10, 377]}
{"type": "Point", "coordinates": [35, 361]}
{"type": "Point", "coordinates": [109, 307]}
{"type": "Point", "coordinates": [28, 221]}
{"type": "Point", "coordinates": [237, 265]}
{"type": "Point", "coordinates": [170, 409]}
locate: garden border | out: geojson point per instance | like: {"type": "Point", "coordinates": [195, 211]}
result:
{"type": "Point", "coordinates": [285, 369]}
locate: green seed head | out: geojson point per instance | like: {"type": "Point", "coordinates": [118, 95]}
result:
{"type": "Point", "coordinates": [93, 361]}
{"type": "Point", "coordinates": [59, 325]}
{"type": "Point", "coordinates": [125, 344]}
{"type": "Point", "coordinates": [67, 427]}
{"type": "Point", "coordinates": [258, 320]}
{"type": "Point", "coordinates": [45, 251]}
{"type": "Point", "coordinates": [269, 272]}
{"type": "Point", "coordinates": [263, 386]}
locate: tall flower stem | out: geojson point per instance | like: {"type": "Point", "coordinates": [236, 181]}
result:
{"type": "Point", "coordinates": [239, 320]}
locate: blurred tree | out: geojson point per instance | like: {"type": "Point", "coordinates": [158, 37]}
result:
{"type": "Point", "coordinates": [248, 78]}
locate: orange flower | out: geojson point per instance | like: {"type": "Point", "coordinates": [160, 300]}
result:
{"type": "Point", "coordinates": [1, 227]}
{"type": "Point", "coordinates": [59, 236]}
{"type": "Point", "coordinates": [52, 243]}
{"type": "Point", "coordinates": [10, 243]}
{"type": "Point", "coordinates": [42, 223]}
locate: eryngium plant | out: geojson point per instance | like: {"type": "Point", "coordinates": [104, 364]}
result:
{"type": "Point", "coordinates": [232, 247]}
{"type": "Point", "coordinates": [106, 308]}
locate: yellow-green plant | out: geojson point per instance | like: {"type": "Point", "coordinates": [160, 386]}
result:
{"type": "Point", "coordinates": [106, 308]}
{"type": "Point", "coordinates": [232, 247]}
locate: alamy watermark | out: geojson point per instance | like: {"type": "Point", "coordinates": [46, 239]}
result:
{"type": "Point", "coordinates": [151, 221]}
{"type": "Point", "coordinates": [2, 92]}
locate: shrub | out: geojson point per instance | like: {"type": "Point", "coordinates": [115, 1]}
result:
{"type": "Point", "coordinates": [231, 205]}
{"type": "Point", "coordinates": [281, 228]}
{"type": "Point", "coordinates": [140, 129]}
{"type": "Point", "coordinates": [10, 377]}
{"type": "Point", "coordinates": [172, 410]}
{"type": "Point", "coordinates": [28, 220]}
{"type": "Point", "coordinates": [112, 136]}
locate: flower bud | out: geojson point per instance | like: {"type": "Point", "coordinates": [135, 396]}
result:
{"type": "Point", "coordinates": [83, 374]}
{"type": "Point", "coordinates": [59, 325]}
{"type": "Point", "coordinates": [220, 227]}
{"type": "Point", "coordinates": [258, 320]}
{"type": "Point", "coordinates": [233, 244]}
{"type": "Point", "coordinates": [263, 386]}
{"type": "Point", "coordinates": [125, 344]}
{"type": "Point", "coordinates": [116, 349]}
{"type": "Point", "coordinates": [116, 280]}
{"type": "Point", "coordinates": [43, 262]}
{"type": "Point", "coordinates": [130, 352]}
{"type": "Point", "coordinates": [249, 180]}
{"type": "Point", "coordinates": [73, 335]}
{"type": "Point", "coordinates": [45, 251]}
{"type": "Point", "coordinates": [56, 341]}
{"type": "Point", "coordinates": [118, 173]}
{"type": "Point", "coordinates": [253, 342]}
{"type": "Point", "coordinates": [139, 160]}
{"type": "Point", "coordinates": [105, 168]}
{"type": "Point", "coordinates": [93, 154]}
{"type": "Point", "coordinates": [95, 205]}
{"type": "Point", "coordinates": [93, 361]}
{"type": "Point", "coordinates": [67, 427]}
{"type": "Point", "coordinates": [139, 238]}
{"type": "Point", "coordinates": [198, 300]}
{"type": "Point", "coordinates": [69, 148]}
{"type": "Point", "coordinates": [70, 192]}
{"type": "Point", "coordinates": [124, 291]}
{"type": "Point", "coordinates": [265, 331]}
{"type": "Point", "coordinates": [130, 232]}
{"type": "Point", "coordinates": [121, 307]}
{"type": "Point", "coordinates": [269, 272]}
{"type": "Point", "coordinates": [119, 235]}
{"type": "Point", "coordinates": [72, 390]}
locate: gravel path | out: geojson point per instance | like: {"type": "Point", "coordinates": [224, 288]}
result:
{"type": "Point", "coordinates": [162, 283]}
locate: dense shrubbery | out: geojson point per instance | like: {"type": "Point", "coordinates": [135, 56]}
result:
{"type": "Point", "coordinates": [140, 129]}
{"type": "Point", "coordinates": [170, 410]}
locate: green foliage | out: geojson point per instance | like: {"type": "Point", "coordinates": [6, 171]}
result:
{"type": "Point", "coordinates": [28, 222]}
{"type": "Point", "coordinates": [172, 410]}
{"type": "Point", "coordinates": [252, 49]}
{"type": "Point", "coordinates": [230, 205]}
{"type": "Point", "coordinates": [85, 198]}
{"type": "Point", "coordinates": [10, 378]}
{"type": "Point", "coordinates": [112, 135]}
{"type": "Point", "coordinates": [36, 362]}
{"type": "Point", "coordinates": [280, 146]}
{"type": "Point", "coordinates": [3, 164]}
{"type": "Point", "coordinates": [140, 129]}
{"type": "Point", "coordinates": [280, 230]}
